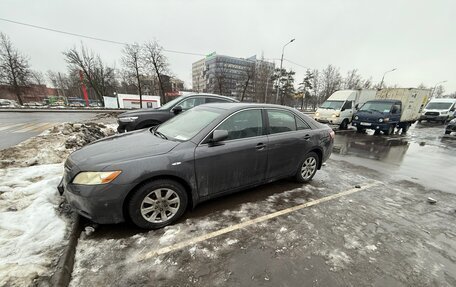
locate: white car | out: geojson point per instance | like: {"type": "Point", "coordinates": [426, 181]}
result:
{"type": "Point", "coordinates": [4, 103]}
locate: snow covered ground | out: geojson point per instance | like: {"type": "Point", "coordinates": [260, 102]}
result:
{"type": "Point", "coordinates": [31, 230]}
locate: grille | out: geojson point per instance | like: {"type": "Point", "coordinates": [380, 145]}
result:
{"type": "Point", "coordinates": [431, 113]}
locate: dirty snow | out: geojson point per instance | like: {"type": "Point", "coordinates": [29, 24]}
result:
{"type": "Point", "coordinates": [54, 144]}
{"type": "Point", "coordinates": [31, 230]}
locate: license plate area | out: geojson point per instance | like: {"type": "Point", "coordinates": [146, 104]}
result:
{"type": "Point", "coordinates": [365, 124]}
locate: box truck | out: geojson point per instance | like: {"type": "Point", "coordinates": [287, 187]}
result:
{"type": "Point", "coordinates": [339, 108]}
{"type": "Point", "coordinates": [392, 108]}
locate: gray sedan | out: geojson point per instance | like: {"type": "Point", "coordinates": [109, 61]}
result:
{"type": "Point", "coordinates": [152, 176]}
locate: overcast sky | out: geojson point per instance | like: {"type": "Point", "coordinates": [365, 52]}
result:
{"type": "Point", "coordinates": [418, 37]}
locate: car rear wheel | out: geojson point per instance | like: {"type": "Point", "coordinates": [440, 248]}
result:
{"type": "Point", "coordinates": [308, 167]}
{"type": "Point", "coordinates": [157, 204]}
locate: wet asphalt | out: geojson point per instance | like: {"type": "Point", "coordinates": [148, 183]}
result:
{"type": "Point", "coordinates": [385, 235]}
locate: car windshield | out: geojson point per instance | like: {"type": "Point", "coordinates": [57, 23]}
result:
{"type": "Point", "coordinates": [334, 105]}
{"type": "Point", "coordinates": [188, 124]}
{"type": "Point", "coordinates": [376, 107]}
{"type": "Point", "coordinates": [169, 105]}
{"type": "Point", "coordinates": [438, 106]}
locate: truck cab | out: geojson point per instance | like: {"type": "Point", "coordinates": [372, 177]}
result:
{"type": "Point", "coordinates": [379, 115]}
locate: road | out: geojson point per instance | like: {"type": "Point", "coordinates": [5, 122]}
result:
{"type": "Point", "coordinates": [16, 127]}
{"type": "Point", "coordinates": [363, 221]}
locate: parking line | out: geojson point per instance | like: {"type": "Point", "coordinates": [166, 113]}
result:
{"type": "Point", "coordinates": [244, 224]}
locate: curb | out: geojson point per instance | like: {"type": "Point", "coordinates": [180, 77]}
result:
{"type": "Point", "coordinates": [62, 275]}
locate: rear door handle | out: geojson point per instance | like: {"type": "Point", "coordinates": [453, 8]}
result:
{"type": "Point", "coordinates": [306, 137]}
{"type": "Point", "coordinates": [260, 146]}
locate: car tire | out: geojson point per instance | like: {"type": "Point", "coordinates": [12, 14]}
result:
{"type": "Point", "coordinates": [157, 203]}
{"type": "Point", "coordinates": [344, 124]}
{"type": "Point", "coordinates": [447, 132]}
{"type": "Point", "coordinates": [390, 130]}
{"type": "Point", "coordinates": [405, 128]}
{"type": "Point", "coordinates": [308, 167]}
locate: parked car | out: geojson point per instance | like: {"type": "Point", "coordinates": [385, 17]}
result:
{"type": "Point", "coordinates": [152, 176]}
{"type": "Point", "coordinates": [4, 103]}
{"type": "Point", "coordinates": [146, 118]}
{"type": "Point", "coordinates": [451, 127]}
{"type": "Point", "coordinates": [439, 110]}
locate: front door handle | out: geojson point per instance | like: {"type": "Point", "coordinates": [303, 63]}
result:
{"type": "Point", "coordinates": [260, 146]}
{"type": "Point", "coordinates": [306, 137]}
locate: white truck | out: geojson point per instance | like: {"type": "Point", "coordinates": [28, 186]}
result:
{"type": "Point", "coordinates": [439, 110]}
{"type": "Point", "coordinates": [392, 108]}
{"type": "Point", "coordinates": [339, 108]}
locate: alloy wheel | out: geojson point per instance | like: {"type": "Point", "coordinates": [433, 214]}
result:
{"type": "Point", "coordinates": [160, 205]}
{"type": "Point", "coordinates": [308, 168]}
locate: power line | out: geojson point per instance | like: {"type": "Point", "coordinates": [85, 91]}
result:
{"type": "Point", "coordinates": [294, 63]}
{"type": "Point", "coordinates": [90, 37]}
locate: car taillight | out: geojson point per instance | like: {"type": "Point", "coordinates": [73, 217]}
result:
{"type": "Point", "coordinates": [332, 134]}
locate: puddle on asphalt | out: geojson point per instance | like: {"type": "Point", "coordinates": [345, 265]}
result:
{"type": "Point", "coordinates": [423, 155]}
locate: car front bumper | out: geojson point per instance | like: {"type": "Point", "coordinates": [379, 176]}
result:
{"type": "Point", "coordinates": [433, 118]}
{"type": "Point", "coordinates": [100, 203]}
{"type": "Point", "coordinates": [330, 120]}
{"type": "Point", "coordinates": [371, 126]}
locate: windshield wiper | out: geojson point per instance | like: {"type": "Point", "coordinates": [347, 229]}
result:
{"type": "Point", "coordinates": [160, 134]}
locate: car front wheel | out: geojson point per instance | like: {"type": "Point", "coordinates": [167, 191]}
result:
{"type": "Point", "coordinates": [308, 167]}
{"type": "Point", "coordinates": [157, 204]}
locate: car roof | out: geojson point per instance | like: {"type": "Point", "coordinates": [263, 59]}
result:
{"type": "Point", "coordinates": [443, 100]}
{"type": "Point", "coordinates": [240, 106]}
{"type": "Point", "coordinates": [208, 94]}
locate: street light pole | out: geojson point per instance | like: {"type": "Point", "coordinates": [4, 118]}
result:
{"type": "Point", "coordinates": [381, 83]}
{"type": "Point", "coordinates": [281, 62]}
{"type": "Point", "coordinates": [433, 90]}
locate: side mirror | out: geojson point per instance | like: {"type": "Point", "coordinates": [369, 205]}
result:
{"type": "Point", "coordinates": [342, 109]}
{"type": "Point", "coordinates": [357, 107]}
{"type": "Point", "coordinates": [219, 135]}
{"type": "Point", "coordinates": [177, 109]}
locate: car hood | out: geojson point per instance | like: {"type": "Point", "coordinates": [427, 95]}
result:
{"type": "Point", "coordinates": [326, 112]}
{"type": "Point", "coordinates": [139, 112]}
{"type": "Point", "coordinates": [120, 148]}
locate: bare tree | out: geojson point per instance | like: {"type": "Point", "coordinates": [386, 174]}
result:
{"type": "Point", "coordinates": [353, 80]}
{"type": "Point", "coordinates": [304, 89]}
{"type": "Point", "coordinates": [37, 78]}
{"type": "Point", "coordinates": [249, 78]}
{"type": "Point", "coordinates": [158, 63]}
{"type": "Point", "coordinates": [263, 83]}
{"type": "Point", "coordinates": [14, 67]}
{"type": "Point", "coordinates": [99, 76]}
{"type": "Point", "coordinates": [133, 62]}
{"type": "Point", "coordinates": [438, 91]}
{"type": "Point", "coordinates": [316, 89]}
{"type": "Point", "coordinates": [331, 81]}
{"type": "Point", "coordinates": [218, 79]}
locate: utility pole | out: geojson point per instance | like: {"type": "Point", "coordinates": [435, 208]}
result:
{"type": "Point", "coordinates": [281, 62]}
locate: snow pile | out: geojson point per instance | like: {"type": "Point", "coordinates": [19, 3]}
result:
{"type": "Point", "coordinates": [31, 231]}
{"type": "Point", "coordinates": [54, 145]}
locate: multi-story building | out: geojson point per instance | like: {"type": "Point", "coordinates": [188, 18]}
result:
{"type": "Point", "coordinates": [240, 78]}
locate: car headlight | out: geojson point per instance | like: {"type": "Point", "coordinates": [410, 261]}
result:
{"type": "Point", "coordinates": [128, 119]}
{"type": "Point", "coordinates": [317, 114]}
{"type": "Point", "coordinates": [93, 177]}
{"type": "Point", "coordinates": [356, 117]}
{"type": "Point", "coordinates": [380, 120]}
{"type": "Point", "coordinates": [444, 113]}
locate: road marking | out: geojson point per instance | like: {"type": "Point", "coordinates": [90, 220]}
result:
{"type": "Point", "coordinates": [247, 223]}
{"type": "Point", "coordinates": [9, 126]}
{"type": "Point", "coordinates": [27, 127]}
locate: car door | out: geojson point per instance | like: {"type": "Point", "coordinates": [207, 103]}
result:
{"type": "Point", "coordinates": [290, 138]}
{"type": "Point", "coordinates": [238, 161]}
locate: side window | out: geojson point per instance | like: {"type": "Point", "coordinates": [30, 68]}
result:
{"type": "Point", "coordinates": [244, 124]}
{"type": "Point", "coordinates": [190, 103]}
{"type": "Point", "coordinates": [348, 105]}
{"type": "Point", "coordinates": [301, 125]}
{"type": "Point", "coordinates": [281, 121]}
{"type": "Point", "coordinates": [396, 109]}
{"type": "Point", "coordinates": [216, 100]}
